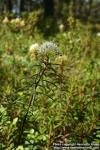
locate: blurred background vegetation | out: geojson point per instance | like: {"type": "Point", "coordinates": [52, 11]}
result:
{"type": "Point", "coordinates": [83, 9]}
{"type": "Point", "coordinates": [87, 11]}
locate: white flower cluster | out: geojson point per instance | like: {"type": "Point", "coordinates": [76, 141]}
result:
{"type": "Point", "coordinates": [98, 34]}
{"type": "Point", "coordinates": [34, 47]}
{"type": "Point", "coordinates": [47, 47]}
{"type": "Point", "coordinates": [33, 51]}
{"type": "Point", "coordinates": [61, 27]}
{"type": "Point", "coordinates": [37, 51]}
{"type": "Point", "coordinates": [17, 21]}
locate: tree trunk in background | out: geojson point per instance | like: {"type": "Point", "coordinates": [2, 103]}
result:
{"type": "Point", "coordinates": [22, 5]}
{"type": "Point", "coordinates": [90, 6]}
{"type": "Point", "coordinates": [18, 7]}
{"type": "Point", "coordinates": [8, 4]}
{"type": "Point", "coordinates": [48, 7]}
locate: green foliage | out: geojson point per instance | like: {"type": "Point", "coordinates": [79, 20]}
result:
{"type": "Point", "coordinates": [48, 97]}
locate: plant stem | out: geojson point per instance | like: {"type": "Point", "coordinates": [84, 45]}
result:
{"type": "Point", "coordinates": [33, 96]}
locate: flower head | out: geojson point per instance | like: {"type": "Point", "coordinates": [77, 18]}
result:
{"type": "Point", "coordinates": [17, 20]}
{"type": "Point", "coordinates": [33, 47]}
{"type": "Point", "coordinates": [98, 34]}
{"type": "Point", "coordinates": [5, 21]}
{"type": "Point", "coordinates": [12, 21]}
{"type": "Point", "coordinates": [47, 50]}
{"type": "Point", "coordinates": [61, 27]}
{"type": "Point", "coordinates": [33, 50]}
{"type": "Point", "coordinates": [22, 23]}
{"type": "Point", "coordinates": [47, 47]}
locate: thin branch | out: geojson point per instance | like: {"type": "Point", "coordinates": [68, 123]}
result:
{"type": "Point", "coordinates": [31, 100]}
{"type": "Point", "coordinates": [50, 82]}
